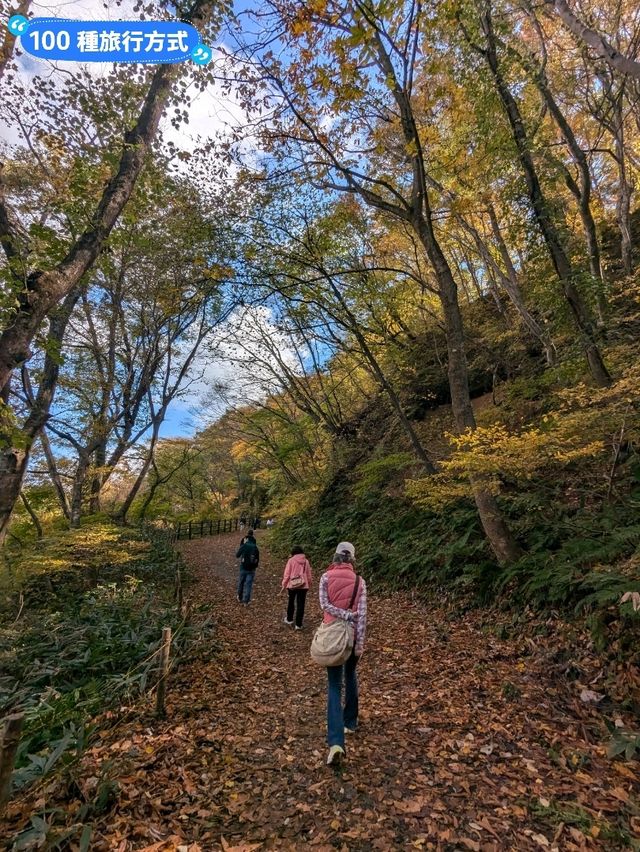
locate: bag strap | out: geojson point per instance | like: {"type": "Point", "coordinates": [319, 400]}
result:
{"type": "Point", "coordinates": [303, 569]}
{"type": "Point", "coordinates": [355, 591]}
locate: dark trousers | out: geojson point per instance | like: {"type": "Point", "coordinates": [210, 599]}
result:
{"type": "Point", "coordinates": [245, 584]}
{"type": "Point", "coordinates": [297, 598]}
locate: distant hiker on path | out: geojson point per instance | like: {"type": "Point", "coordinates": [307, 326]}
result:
{"type": "Point", "coordinates": [296, 580]}
{"type": "Point", "coordinates": [343, 594]}
{"type": "Point", "coordinates": [249, 557]}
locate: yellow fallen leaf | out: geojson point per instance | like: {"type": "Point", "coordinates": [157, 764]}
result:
{"type": "Point", "coordinates": [620, 794]}
{"type": "Point", "coordinates": [623, 769]}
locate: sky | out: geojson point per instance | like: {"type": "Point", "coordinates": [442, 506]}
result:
{"type": "Point", "coordinates": [209, 114]}
{"type": "Point", "coordinates": [226, 364]}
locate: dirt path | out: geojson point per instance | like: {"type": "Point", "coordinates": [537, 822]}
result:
{"type": "Point", "coordinates": [465, 742]}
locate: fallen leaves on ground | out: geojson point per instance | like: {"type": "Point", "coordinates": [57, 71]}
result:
{"type": "Point", "coordinates": [466, 741]}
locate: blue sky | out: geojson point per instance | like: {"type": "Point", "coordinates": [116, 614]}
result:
{"type": "Point", "coordinates": [179, 422]}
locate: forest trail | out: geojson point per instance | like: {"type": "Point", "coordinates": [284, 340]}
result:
{"type": "Point", "coordinates": [466, 740]}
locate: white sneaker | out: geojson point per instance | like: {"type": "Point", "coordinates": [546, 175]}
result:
{"type": "Point", "coordinates": [286, 621]}
{"type": "Point", "coordinates": [336, 755]}
{"type": "Point", "coordinates": [349, 730]}
{"type": "Point", "coordinates": [298, 628]}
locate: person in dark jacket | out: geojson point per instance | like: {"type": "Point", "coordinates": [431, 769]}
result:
{"type": "Point", "coordinates": [249, 557]}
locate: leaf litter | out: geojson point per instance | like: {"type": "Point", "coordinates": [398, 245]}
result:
{"type": "Point", "coordinates": [466, 741]}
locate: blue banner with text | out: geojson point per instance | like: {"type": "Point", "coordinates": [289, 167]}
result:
{"type": "Point", "coordinates": [110, 41]}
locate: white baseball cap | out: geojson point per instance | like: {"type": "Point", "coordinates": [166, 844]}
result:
{"type": "Point", "coordinates": [346, 547]}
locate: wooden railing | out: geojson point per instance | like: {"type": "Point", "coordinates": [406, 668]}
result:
{"type": "Point", "coordinates": [200, 529]}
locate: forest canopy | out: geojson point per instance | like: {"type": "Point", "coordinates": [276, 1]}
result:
{"type": "Point", "coordinates": [399, 275]}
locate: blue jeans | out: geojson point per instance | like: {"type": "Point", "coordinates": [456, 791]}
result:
{"type": "Point", "coordinates": [245, 584]}
{"type": "Point", "coordinates": [337, 718]}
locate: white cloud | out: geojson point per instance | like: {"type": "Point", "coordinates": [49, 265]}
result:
{"type": "Point", "coordinates": [211, 114]}
{"type": "Point", "coordinates": [236, 373]}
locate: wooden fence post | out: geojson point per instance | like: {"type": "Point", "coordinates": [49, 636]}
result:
{"type": "Point", "coordinates": [178, 591]}
{"type": "Point", "coordinates": [8, 749]}
{"type": "Point", "coordinates": [178, 534]}
{"type": "Point", "coordinates": [236, 525]}
{"type": "Point", "coordinates": [189, 530]}
{"type": "Point", "coordinates": [164, 671]}
{"type": "Point", "coordinates": [201, 529]}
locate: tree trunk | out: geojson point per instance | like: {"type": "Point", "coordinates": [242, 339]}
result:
{"type": "Point", "coordinates": [158, 420]}
{"type": "Point", "coordinates": [99, 461]}
{"type": "Point", "coordinates": [397, 405]}
{"type": "Point", "coordinates": [494, 289]}
{"type": "Point", "coordinates": [121, 516]}
{"type": "Point", "coordinates": [559, 258]}
{"type": "Point", "coordinates": [45, 288]}
{"type": "Point", "coordinates": [498, 533]}
{"type": "Point", "coordinates": [419, 215]}
{"type": "Point", "coordinates": [14, 459]}
{"type": "Point", "coordinates": [354, 328]}
{"type": "Point", "coordinates": [623, 215]}
{"type": "Point", "coordinates": [510, 282]}
{"type": "Point", "coordinates": [622, 64]}
{"type": "Point", "coordinates": [582, 192]}
{"type": "Point", "coordinates": [623, 202]}
{"type": "Point", "coordinates": [32, 514]}
{"type": "Point", "coordinates": [78, 487]}
{"type": "Point", "coordinates": [54, 476]}
{"type": "Point", "coordinates": [149, 496]}
{"type": "Point", "coordinates": [13, 466]}
{"type": "Point", "coordinates": [509, 279]}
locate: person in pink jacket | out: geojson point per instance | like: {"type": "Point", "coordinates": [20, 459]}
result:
{"type": "Point", "coordinates": [296, 580]}
{"type": "Point", "coordinates": [343, 594]}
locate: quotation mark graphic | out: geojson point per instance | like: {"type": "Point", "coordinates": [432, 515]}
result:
{"type": "Point", "coordinates": [18, 25]}
{"type": "Point", "coordinates": [201, 54]}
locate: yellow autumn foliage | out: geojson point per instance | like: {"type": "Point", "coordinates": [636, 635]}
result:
{"type": "Point", "coordinates": [586, 422]}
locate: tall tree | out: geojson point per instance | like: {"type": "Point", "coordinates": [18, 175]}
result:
{"type": "Point", "coordinates": [38, 289]}
{"type": "Point", "coordinates": [581, 188]}
{"type": "Point", "coordinates": [319, 270]}
{"type": "Point", "coordinates": [376, 50]}
{"type": "Point", "coordinates": [541, 207]}
{"type": "Point", "coordinates": [600, 44]}
{"type": "Point", "coordinates": [134, 337]}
